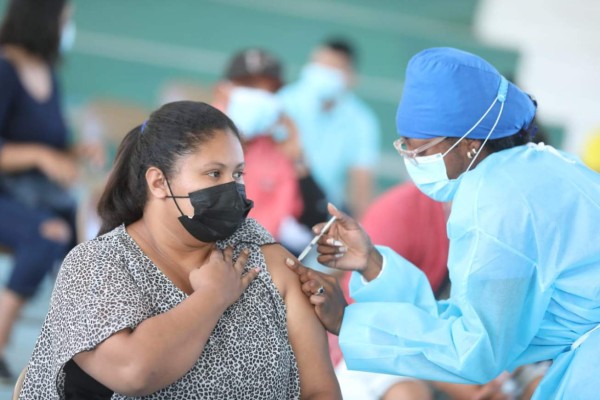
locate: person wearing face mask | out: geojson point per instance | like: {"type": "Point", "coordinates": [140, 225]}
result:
{"type": "Point", "coordinates": [288, 202]}
{"type": "Point", "coordinates": [180, 295]}
{"type": "Point", "coordinates": [37, 162]}
{"type": "Point", "coordinates": [338, 131]}
{"type": "Point", "coordinates": [524, 254]}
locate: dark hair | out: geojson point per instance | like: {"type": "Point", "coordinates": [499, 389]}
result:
{"type": "Point", "coordinates": [527, 134]}
{"type": "Point", "coordinates": [342, 46]}
{"type": "Point", "coordinates": [522, 137]}
{"type": "Point", "coordinates": [255, 66]}
{"type": "Point", "coordinates": [174, 130]}
{"type": "Point", "coordinates": [252, 62]}
{"type": "Point", "coordinates": [34, 25]}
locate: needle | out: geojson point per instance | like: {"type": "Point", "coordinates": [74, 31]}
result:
{"type": "Point", "coordinates": [308, 248]}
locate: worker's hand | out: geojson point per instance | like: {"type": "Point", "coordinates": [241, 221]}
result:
{"type": "Point", "coordinates": [346, 245]}
{"type": "Point", "coordinates": [324, 293]}
{"type": "Point", "coordinates": [222, 277]}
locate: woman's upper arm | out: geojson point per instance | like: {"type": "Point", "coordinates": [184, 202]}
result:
{"type": "Point", "coordinates": [307, 336]}
{"type": "Point", "coordinates": [121, 376]}
{"type": "Point", "coordinates": [101, 304]}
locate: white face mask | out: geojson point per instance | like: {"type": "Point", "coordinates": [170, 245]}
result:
{"type": "Point", "coordinates": [255, 112]}
{"type": "Point", "coordinates": [326, 83]}
{"type": "Point", "coordinates": [67, 37]}
{"type": "Point", "coordinates": [429, 172]}
{"type": "Point", "coordinates": [431, 177]}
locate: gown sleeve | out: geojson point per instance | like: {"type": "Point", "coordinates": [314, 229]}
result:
{"type": "Point", "coordinates": [494, 311]}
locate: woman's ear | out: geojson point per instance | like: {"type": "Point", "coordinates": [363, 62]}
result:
{"type": "Point", "coordinates": [157, 183]}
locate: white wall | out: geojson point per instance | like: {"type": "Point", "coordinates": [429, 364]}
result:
{"type": "Point", "coordinates": [559, 42]}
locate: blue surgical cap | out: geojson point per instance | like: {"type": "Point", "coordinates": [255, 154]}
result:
{"type": "Point", "coordinates": [447, 91]}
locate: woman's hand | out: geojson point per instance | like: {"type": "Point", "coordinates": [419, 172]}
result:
{"type": "Point", "coordinates": [139, 362]}
{"type": "Point", "coordinates": [347, 246]}
{"type": "Point", "coordinates": [222, 276]}
{"type": "Point", "coordinates": [324, 293]}
{"type": "Point", "coordinates": [57, 165]}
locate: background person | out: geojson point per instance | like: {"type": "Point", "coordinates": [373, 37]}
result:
{"type": "Point", "coordinates": [521, 260]}
{"type": "Point", "coordinates": [288, 202]}
{"type": "Point", "coordinates": [37, 163]}
{"type": "Point", "coordinates": [162, 305]}
{"type": "Point", "coordinates": [338, 131]}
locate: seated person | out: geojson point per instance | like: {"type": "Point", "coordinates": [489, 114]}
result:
{"type": "Point", "coordinates": [180, 296]}
{"type": "Point", "coordinates": [339, 132]}
{"type": "Point", "coordinates": [287, 199]}
{"type": "Point", "coordinates": [38, 164]}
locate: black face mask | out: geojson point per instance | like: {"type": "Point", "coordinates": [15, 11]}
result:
{"type": "Point", "coordinates": [218, 211]}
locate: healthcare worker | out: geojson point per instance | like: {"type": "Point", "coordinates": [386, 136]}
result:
{"type": "Point", "coordinates": [524, 257]}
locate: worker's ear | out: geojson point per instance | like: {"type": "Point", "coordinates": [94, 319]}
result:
{"type": "Point", "coordinates": [470, 145]}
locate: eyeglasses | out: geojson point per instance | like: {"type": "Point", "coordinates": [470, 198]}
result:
{"type": "Point", "coordinates": [402, 148]}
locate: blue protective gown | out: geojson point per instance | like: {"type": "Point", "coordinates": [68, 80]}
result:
{"type": "Point", "coordinates": [524, 263]}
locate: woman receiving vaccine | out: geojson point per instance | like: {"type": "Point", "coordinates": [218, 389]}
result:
{"type": "Point", "coordinates": [181, 296]}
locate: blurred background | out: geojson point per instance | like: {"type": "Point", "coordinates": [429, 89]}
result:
{"type": "Point", "coordinates": [137, 52]}
{"type": "Point", "coordinates": [130, 56]}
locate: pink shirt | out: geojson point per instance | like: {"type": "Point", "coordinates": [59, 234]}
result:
{"type": "Point", "coordinates": [271, 182]}
{"type": "Point", "coordinates": [414, 226]}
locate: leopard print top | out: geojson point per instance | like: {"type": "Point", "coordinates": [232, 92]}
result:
{"type": "Point", "coordinates": [108, 284]}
